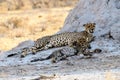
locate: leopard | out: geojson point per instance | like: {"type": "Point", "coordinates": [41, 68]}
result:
{"type": "Point", "coordinates": [77, 47]}
{"type": "Point", "coordinates": [62, 39]}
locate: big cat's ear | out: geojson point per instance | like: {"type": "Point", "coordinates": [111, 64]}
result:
{"type": "Point", "coordinates": [84, 24]}
{"type": "Point", "coordinates": [94, 23]}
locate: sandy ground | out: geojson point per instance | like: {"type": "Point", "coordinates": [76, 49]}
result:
{"type": "Point", "coordinates": [103, 66]}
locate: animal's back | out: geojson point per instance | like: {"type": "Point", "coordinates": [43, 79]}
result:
{"type": "Point", "coordinates": [61, 39]}
{"type": "Point", "coordinates": [64, 39]}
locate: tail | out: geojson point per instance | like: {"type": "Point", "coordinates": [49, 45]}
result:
{"type": "Point", "coordinates": [10, 55]}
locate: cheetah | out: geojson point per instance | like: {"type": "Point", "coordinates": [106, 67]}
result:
{"type": "Point", "coordinates": [80, 46]}
{"type": "Point", "coordinates": [63, 39]}
{"type": "Point", "coordinates": [55, 56]}
{"type": "Point", "coordinates": [66, 38]}
{"type": "Point", "coordinates": [62, 54]}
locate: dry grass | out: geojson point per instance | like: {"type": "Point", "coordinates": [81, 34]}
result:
{"type": "Point", "coordinates": [18, 26]}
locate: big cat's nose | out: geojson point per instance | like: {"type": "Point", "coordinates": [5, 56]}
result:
{"type": "Point", "coordinates": [91, 31]}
